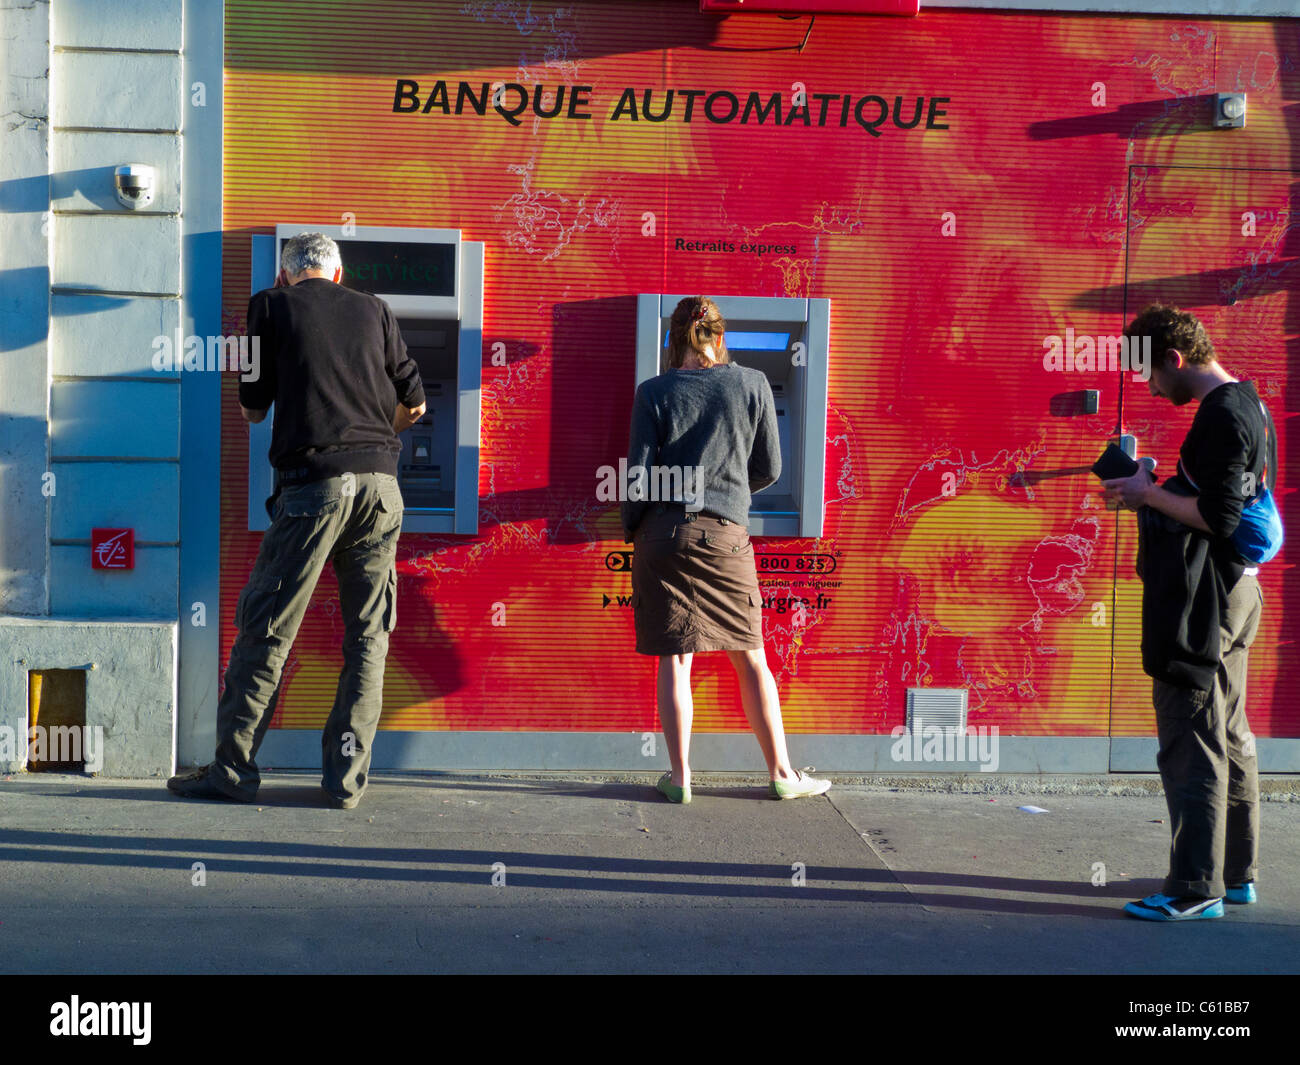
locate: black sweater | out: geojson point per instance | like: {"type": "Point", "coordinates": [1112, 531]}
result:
{"type": "Point", "coordinates": [1187, 575]}
{"type": "Point", "coordinates": [1226, 442]}
{"type": "Point", "coordinates": [334, 363]}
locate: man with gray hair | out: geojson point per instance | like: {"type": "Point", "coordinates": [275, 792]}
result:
{"type": "Point", "coordinates": [336, 368]}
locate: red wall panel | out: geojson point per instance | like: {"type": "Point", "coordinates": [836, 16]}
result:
{"type": "Point", "coordinates": [1034, 190]}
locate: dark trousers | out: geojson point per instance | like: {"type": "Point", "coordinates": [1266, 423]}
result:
{"type": "Point", "coordinates": [354, 521]}
{"type": "Point", "coordinates": [1208, 765]}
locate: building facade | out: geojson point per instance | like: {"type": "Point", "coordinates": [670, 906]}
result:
{"type": "Point", "coordinates": [928, 231]}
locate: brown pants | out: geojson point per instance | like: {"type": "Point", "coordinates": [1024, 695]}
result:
{"type": "Point", "coordinates": [1208, 766]}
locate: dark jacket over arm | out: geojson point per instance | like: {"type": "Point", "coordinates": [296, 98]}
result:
{"type": "Point", "coordinates": [1187, 576]}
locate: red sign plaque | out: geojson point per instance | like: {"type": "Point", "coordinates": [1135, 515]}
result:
{"type": "Point", "coordinates": [112, 549]}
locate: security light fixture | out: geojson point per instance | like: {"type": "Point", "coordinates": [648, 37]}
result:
{"type": "Point", "coordinates": [1230, 110]}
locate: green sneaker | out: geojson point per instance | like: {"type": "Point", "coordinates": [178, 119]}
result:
{"type": "Point", "coordinates": [671, 791]}
{"type": "Point", "coordinates": [801, 786]}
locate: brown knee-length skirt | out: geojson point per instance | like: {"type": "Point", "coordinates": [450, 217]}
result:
{"type": "Point", "coordinates": [694, 585]}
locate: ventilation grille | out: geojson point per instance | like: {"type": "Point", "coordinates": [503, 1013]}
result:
{"type": "Point", "coordinates": [936, 708]}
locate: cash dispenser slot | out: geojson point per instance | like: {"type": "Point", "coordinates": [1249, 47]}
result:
{"type": "Point", "coordinates": [425, 468]}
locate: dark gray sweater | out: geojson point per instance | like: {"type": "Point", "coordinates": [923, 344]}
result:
{"type": "Point", "coordinates": [334, 364]}
{"type": "Point", "coordinates": [722, 420]}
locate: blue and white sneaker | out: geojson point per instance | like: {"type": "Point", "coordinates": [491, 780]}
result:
{"type": "Point", "coordinates": [1169, 908]}
{"type": "Point", "coordinates": [1242, 894]}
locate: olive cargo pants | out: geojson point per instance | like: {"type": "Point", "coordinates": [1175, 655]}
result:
{"type": "Point", "coordinates": [1208, 765]}
{"type": "Point", "coordinates": [353, 520]}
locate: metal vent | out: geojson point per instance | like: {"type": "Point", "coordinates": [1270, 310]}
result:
{"type": "Point", "coordinates": [936, 708]}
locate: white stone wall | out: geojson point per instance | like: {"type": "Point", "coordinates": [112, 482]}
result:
{"type": "Point", "coordinates": [116, 97]}
{"type": "Point", "coordinates": [24, 304]}
{"type": "Point", "coordinates": [89, 431]}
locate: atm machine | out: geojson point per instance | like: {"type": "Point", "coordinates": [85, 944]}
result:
{"type": "Point", "coordinates": [788, 339]}
{"type": "Point", "coordinates": [433, 281]}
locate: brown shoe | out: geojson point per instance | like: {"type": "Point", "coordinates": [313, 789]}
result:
{"type": "Point", "coordinates": [201, 784]}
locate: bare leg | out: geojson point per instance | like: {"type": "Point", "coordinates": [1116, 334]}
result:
{"type": "Point", "coordinates": [675, 712]}
{"type": "Point", "coordinates": [762, 706]}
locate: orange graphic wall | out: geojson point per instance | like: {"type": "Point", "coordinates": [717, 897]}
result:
{"type": "Point", "coordinates": [962, 186]}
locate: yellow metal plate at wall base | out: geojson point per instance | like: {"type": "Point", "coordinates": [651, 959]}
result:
{"type": "Point", "coordinates": [56, 717]}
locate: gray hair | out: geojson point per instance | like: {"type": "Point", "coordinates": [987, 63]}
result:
{"type": "Point", "coordinates": [310, 251]}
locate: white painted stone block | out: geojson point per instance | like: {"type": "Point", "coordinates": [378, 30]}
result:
{"type": "Point", "coordinates": [24, 59]}
{"type": "Point", "coordinates": [148, 591]}
{"type": "Point", "coordinates": [108, 335]}
{"type": "Point", "coordinates": [117, 253]}
{"type": "Point", "coordinates": [24, 304]}
{"type": "Point", "coordinates": [81, 177]}
{"type": "Point", "coordinates": [144, 496]}
{"type": "Point", "coordinates": [117, 90]}
{"type": "Point", "coordinates": [154, 24]}
{"type": "Point", "coordinates": [116, 419]}
{"type": "Point", "coordinates": [23, 529]}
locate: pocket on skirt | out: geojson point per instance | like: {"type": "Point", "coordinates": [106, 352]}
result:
{"type": "Point", "coordinates": [727, 540]}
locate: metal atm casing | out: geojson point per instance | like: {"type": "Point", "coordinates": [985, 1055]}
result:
{"type": "Point", "coordinates": [763, 332]}
{"type": "Point", "coordinates": [442, 326]}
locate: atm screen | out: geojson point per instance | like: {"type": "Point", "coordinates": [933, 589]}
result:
{"type": "Point", "coordinates": [399, 269]}
{"type": "Point", "coordinates": [742, 340]}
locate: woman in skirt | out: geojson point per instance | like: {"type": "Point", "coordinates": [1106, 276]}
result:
{"type": "Point", "coordinates": [704, 434]}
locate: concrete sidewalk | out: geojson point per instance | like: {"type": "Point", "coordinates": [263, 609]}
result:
{"type": "Point", "coordinates": [592, 875]}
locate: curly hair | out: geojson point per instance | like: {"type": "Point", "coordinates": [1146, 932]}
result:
{"type": "Point", "coordinates": [1168, 327]}
{"type": "Point", "coordinates": [696, 323]}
